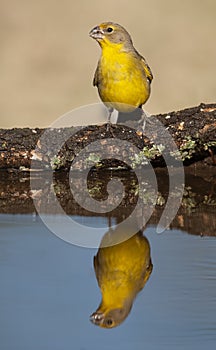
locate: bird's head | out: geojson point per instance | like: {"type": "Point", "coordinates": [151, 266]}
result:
{"type": "Point", "coordinates": [109, 33]}
{"type": "Point", "coordinates": [111, 317]}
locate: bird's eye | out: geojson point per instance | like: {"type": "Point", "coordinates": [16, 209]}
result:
{"type": "Point", "coordinates": [109, 30]}
{"type": "Point", "coordinates": [109, 322]}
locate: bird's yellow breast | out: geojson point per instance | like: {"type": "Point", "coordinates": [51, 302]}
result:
{"type": "Point", "coordinates": [122, 83]}
{"type": "Point", "coordinates": [123, 269]}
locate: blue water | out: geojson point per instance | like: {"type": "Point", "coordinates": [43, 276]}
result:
{"type": "Point", "coordinates": [48, 290]}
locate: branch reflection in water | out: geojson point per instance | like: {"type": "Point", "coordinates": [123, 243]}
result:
{"type": "Point", "coordinates": [122, 271]}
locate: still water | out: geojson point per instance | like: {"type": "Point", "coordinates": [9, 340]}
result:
{"type": "Point", "coordinates": [49, 290]}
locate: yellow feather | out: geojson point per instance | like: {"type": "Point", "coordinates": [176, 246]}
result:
{"type": "Point", "coordinates": [122, 76]}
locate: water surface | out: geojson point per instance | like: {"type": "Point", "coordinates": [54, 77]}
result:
{"type": "Point", "coordinates": [48, 290]}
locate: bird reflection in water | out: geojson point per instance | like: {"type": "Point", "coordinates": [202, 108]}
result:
{"type": "Point", "coordinates": [122, 271]}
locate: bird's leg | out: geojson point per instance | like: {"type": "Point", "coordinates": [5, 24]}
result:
{"type": "Point", "coordinates": [110, 110]}
{"type": "Point", "coordinates": [145, 118]}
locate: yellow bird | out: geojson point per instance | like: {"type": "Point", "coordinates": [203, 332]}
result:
{"type": "Point", "coordinates": [123, 77]}
{"type": "Point", "coordinates": [122, 270]}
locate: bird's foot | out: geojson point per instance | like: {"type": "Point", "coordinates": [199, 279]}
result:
{"type": "Point", "coordinates": [108, 127]}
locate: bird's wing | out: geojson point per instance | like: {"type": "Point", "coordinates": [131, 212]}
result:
{"type": "Point", "coordinates": [96, 267]}
{"type": "Point", "coordinates": [96, 77]}
{"type": "Point", "coordinates": [147, 273]}
{"type": "Point", "coordinates": [147, 69]}
{"type": "Point", "coordinates": [145, 66]}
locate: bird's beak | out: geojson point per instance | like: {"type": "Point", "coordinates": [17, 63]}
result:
{"type": "Point", "coordinates": [97, 318]}
{"type": "Point", "coordinates": [96, 33]}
